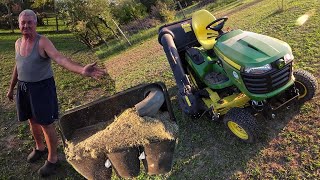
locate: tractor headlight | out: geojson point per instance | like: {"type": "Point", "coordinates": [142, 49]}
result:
{"type": "Point", "coordinates": [288, 58]}
{"type": "Point", "coordinates": [280, 63]}
{"type": "Point", "coordinates": [258, 70]}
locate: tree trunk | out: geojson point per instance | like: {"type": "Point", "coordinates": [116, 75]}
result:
{"type": "Point", "coordinates": [56, 13]}
{"type": "Point", "coordinates": [57, 25]}
{"type": "Point", "coordinates": [84, 40]}
{"type": "Point", "coordinates": [107, 26]}
{"type": "Point", "coordinates": [181, 9]}
{"type": "Point", "coordinates": [99, 33]}
{"type": "Point", "coordinates": [96, 34]}
{"type": "Point", "coordinates": [10, 17]}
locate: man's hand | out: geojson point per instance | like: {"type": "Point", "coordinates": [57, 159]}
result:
{"type": "Point", "coordinates": [10, 95]}
{"type": "Point", "coordinates": [93, 71]}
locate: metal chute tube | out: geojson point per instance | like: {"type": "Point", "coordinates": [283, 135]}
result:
{"type": "Point", "coordinates": [151, 104]}
{"type": "Point", "coordinates": [175, 63]}
{"type": "Point", "coordinates": [189, 102]}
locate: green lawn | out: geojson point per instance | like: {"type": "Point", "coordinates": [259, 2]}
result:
{"type": "Point", "coordinates": [289, 146]}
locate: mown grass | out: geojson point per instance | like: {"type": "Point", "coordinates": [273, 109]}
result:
{"type": "Point", "coordinates": [116, 46]}
{"type": "Point", "coordinates": [288, 147]}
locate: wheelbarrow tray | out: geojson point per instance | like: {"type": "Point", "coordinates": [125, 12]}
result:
{"type": "Point", "coordinates": [104, 110]}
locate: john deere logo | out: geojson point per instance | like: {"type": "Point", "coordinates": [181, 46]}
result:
{"type": "Point", "coordinates": [280, 63]}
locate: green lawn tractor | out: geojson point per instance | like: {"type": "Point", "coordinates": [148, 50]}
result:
{"type": "Point", "coordinates": [233, 74]}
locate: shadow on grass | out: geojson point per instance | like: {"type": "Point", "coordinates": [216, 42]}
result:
{"type": "Point", "coordinates": [240, 6]}
{"type": "Point", "coordinates": [207, 150]}
{"type": "Point", "coordinates": [117, 46]}
{"type": "Point", "coordinates": [275, 13]}
{"type": "Point", "coordinates": [7, 41]}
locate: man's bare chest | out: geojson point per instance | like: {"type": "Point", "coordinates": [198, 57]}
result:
{"type": "Point", "coordinates": [26, 48]}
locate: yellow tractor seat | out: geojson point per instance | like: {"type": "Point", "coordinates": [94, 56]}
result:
{"type": "Point", "coordinates": [206, 37]}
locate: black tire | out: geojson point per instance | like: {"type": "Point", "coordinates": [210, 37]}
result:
{"type": "Point", "coordinates": [306, 83]}
{"type": "Point", "coordinates": [151, 104]}
{"type": "Point", "coordinates": [241, 124]}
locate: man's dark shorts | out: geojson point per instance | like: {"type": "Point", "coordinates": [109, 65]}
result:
{"type": "Point", "coordinates": [37, 100]}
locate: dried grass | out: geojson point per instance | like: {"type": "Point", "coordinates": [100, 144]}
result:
{"type": "Point", "coordinates": [128, 130]}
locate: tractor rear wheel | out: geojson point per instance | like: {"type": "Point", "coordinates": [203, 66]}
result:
{"type": "Point", "coordinates": [306, 83]}
{"type": "Point", "coordinates": [242, 124]}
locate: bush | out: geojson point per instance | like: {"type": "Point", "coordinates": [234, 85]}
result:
{"type": "Point", "coordinates": [141, 24]}
{"type": "Point", "coordinates": [88, 20]}
{"type": "Point", "coordinates": [163, 11]}
{"type": "Point", "coordinates": [129, 11]}
{"type": "Point", "coordinates": [5, 23]}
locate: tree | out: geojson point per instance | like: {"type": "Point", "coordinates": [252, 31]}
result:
{"type": "Point", "coordinates": [8, 4]}
{"type": "Point", "coordinates": [186, 3]}
{"type": "Point", "coordinates": [44, 7]}
{"type": "Point", "coordinates": [129, 10]}
{"type": "Point", "coordinates": [84, 20]}
{"type": "Point", "coordinates": [43, 4]}
{"type": "Point", "coordinates": [148, 4]}
{"type": "Point", "coordinates": [163, 10]}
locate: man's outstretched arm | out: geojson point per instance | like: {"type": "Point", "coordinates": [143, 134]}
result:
{"type": "Point", "coordinates": [89, 70]}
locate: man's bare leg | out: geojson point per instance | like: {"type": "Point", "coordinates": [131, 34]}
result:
{"type": "Point", "coordinates": [51, 138]}
{"type": "Point", "coordinates": [37, 134]}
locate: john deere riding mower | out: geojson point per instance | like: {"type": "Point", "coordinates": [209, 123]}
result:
{"type": "Point", "coordinates": [232, 75]}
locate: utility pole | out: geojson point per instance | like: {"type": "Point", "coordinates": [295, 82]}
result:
{"type": "Point", "coordinates": [56, 14]}
{"type": "Point", "coordinates": [7, 4]}
{"type": "Point", "coordinates": [121, 32]}
{"type": "Point", "coordinates": [184, 16]}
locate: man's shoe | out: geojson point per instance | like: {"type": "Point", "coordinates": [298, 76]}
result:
{"type": "Point", "coordinates": [48, 168]}
{"type": "Point", "coordinates": [36, 155]}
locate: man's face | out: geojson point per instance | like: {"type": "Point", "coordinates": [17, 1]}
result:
{"type": "Point", "coordinates": [27, 24]}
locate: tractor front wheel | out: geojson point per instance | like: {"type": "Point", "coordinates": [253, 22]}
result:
{"type": "Point", "coordinates": [306, 83]}
{"type": "Point", "coordinates": [242, 124]}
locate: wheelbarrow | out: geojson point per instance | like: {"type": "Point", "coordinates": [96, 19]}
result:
{"type": "Point", "coordinates": [85, 118]}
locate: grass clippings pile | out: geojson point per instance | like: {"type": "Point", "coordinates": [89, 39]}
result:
{"type": "Point", "coordinates": [128, 130]}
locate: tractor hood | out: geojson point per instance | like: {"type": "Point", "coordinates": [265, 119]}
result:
{"type": "Point", "coordinates": [248, 49]}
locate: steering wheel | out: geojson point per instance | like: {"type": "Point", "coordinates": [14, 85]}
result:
{"type": "Point", "coordinates": [219, 26]}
